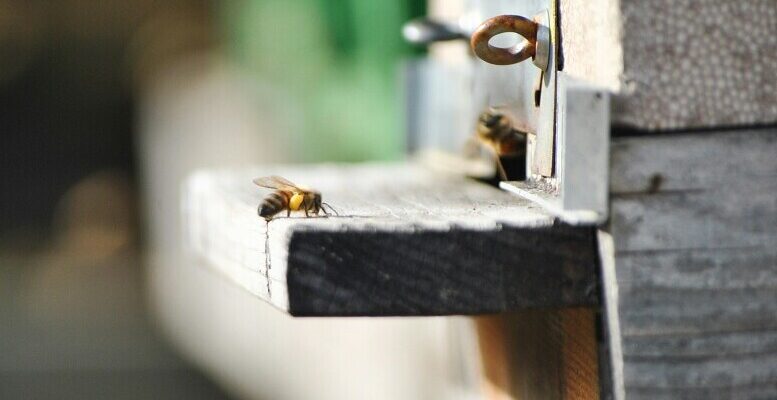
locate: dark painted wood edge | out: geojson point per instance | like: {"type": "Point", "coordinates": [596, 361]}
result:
{"type": "Point", "coordinates": [454, 272]}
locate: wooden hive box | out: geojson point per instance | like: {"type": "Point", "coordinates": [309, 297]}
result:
{"type": "Point", "coordinates": [680, 273]}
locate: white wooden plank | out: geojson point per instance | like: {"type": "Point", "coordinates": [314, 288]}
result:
{"type": "Point", "coordinates": [611, 296]}
{"type": "Point", "coordinates": [224, 227]}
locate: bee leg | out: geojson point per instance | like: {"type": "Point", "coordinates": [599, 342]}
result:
{"type": "Point", "coordinates": [306, 212]}
{"type": "Point", "coordinates": [501, 168]}
{"type": "Point", "coordinates": [288, 212]}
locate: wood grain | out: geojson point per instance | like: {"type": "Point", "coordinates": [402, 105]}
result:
{"type": "Point", "coordinates": [694, 220]}
{"type": "Point", "coordinates": [684, 162]}
{"type": "Point", "coordinates": [735, 215]}
{"type": "Point", "coordinates": [696, 269]}
{"type": "Point", "coordinates": [430, 273]}
{"type": "Point", "coordinates": [494, 345]}
{"type": "Point", "coordinates": [580, 354]}
{"type": "Point", "coordinates": [650, 311]}
{"type": "Point", "coordinates": [407, 241]}
{"type": "Point", "coordinates": [540, 354]}
{"type": "Point", "coordinates": [713, 345]}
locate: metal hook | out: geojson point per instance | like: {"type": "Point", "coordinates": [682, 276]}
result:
{"type": "Point", "coordinates": [501, 24]}
{"type": "Point", "coordinates": [536, 45]}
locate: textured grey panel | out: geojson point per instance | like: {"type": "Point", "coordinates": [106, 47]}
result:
{"type": "Point", "coordinates": [698, 63]}
{"type": "Point", "coordinates": [677, 64]}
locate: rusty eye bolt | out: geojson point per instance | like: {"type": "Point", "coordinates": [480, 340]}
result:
{"type": "Point", "coordinates": [536, 45]}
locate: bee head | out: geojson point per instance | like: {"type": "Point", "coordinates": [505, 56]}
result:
{"type": "Point", "coordinates": [491, 119]}
{"type": "Point", "coordinates": [491, 123]}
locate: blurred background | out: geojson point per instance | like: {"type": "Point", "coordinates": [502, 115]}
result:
{"type": "Point", "coordinates": [105, 106]}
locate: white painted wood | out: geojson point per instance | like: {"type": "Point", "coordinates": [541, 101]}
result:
{"type": "Point", "coordinates": [583, 160]}
{"type": "Point", "coordinates": [551, 201]}
{"type": "Point", "coordinates": [220, 209]}
{"type": "Point", "coordinates": [591, 41]}
{"type": "Point", "coordinates": [612, 318]}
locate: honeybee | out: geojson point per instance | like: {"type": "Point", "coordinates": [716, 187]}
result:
{"type": "Point", "coordinates": [288, 196]}
{"type": "Point", "coordinates": [495, 130]}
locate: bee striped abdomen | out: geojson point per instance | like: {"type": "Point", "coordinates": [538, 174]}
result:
{"type": "Point", "coordinates": [274, 203]}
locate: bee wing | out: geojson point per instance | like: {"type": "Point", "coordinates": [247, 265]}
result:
{"type": "Point", "coordinates": [276, 182]}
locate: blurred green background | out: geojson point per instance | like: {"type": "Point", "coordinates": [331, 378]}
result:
{"type": "Point", "coordinates": [338, 60]}
{"type": "Point", "coordinates": [91, 90]}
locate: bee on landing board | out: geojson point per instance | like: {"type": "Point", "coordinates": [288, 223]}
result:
{"type": "Point", "coordinates": [290, 197]}
{"type": "Point", "coordinates": [495, 130]}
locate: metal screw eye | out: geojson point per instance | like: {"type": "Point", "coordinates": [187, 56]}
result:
{"type": "Point", "coordinates": [501, 24]}
{"type": "Point", "coordinates": [536, 32]}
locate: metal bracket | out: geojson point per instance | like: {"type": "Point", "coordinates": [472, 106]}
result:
{"type": "Point", "coordinates": [540, 160]}
{"type": "Point", "coordinates": [578, 193]}
{"type": "Point", "coordinates": [543, 41]}
{"type": "Point", "coordinates": [539, 45]}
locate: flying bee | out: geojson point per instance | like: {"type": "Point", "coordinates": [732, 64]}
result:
{"type": "Point", "coordinates": [495, 130]}
{"type": "Point", "coordinates": [290, 197]}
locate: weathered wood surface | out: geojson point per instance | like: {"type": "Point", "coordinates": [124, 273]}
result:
{"type": "Point", "coordinates": [611, 339]}
{"type": "Point", "coordinates": [590, 43]}
{"type": "Point", "coordinates": [694, 220]}
{"type": "Point", "coordinates": [736, 215]}
{"type": "Point", "coordinates": [408, 241]}
{"type": "Point", "coordinates": [676, 64]}
{"type": "Point", "coordinates": [540, 354]}
{"type": "Point", "coordinates": [686, 162]}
